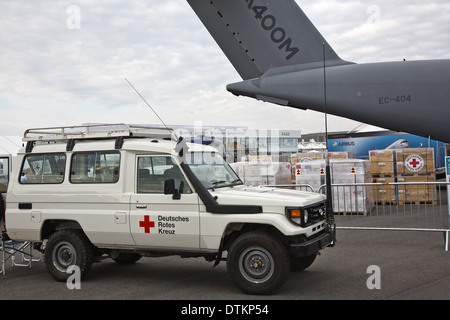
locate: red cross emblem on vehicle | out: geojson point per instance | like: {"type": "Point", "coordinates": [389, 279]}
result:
{"type": "Point", "coordinates": [147, 224]}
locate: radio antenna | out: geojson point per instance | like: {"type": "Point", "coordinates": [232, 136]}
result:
{"type": "Point", "coordinates": [168, 129]}
{"type": "Point", "coordinates": [329, 203]}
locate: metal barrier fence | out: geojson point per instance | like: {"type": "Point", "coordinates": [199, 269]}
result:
{"type": "Point", "coordinates": [390, 206]}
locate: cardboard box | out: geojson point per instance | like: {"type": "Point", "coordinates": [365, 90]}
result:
{"type": "Point", "coordinates": [382, 162]}
{"type": "Point", "coordinates": [265, 158]}
{"type": "Point", "coordinates": [403, 154]}
{"type": "Point", "coordinates": [263, 173]}
{"type": "Point", "coordinates": [417, 193]}
{"type": "Point", "coordinates": [386, 192]}
{"type": "Point", "coordinates": [382, 168]}
{"type": "Point", "coordinates": [400, 162]}
{"type": "Point", "coordinates": [342, 155]}
{"type": "Point", "coordinates": [381, 156]}
{"type": "Point", "coordinates": [415, 161]}
{"type": "Point", "coordinates": [306, 157]}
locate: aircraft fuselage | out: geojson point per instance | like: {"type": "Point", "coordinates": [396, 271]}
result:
{"type": "Point", "coordinates": [411, 96]}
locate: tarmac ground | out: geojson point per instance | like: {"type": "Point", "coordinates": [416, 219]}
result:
{"type": "Point", "coordinates": [364, 265]}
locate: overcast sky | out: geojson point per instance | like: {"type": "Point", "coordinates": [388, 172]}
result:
{"type": "Point", "coordinates": [64, 63]}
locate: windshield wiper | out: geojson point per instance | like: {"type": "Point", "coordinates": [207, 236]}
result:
{"type": "Point", "coordinates": [228, 184]}
{"type": "Point", "coordinates": [233, 183]}
{"type": "Point", "coordinates": [215, 183]}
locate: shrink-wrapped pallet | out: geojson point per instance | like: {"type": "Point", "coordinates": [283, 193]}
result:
{"type": "Point", "coordinates": [263, 173]}
{"type": "Point", "coordinates": [345, 172]}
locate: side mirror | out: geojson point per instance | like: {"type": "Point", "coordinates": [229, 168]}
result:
{"type": "Point", "coordinates": [169, 188]}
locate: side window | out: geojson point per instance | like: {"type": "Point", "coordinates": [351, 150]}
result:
{"type": "Point", "coordinates": [4, 174]}
{"type": "Point", "coordinates": [43, 169]}
{"type": "Point", "coordinates": [95, 167]}
{"type": "Point", "coordinates": [152, 172]}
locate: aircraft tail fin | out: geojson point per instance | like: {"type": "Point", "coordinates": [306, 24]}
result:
{"type": "Point", "coordinates": [257, 35]}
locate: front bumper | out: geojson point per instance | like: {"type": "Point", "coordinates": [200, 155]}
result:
{"type": "Point", "coordinates": [314, 245]}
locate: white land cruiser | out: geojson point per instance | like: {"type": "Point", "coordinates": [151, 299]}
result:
{"type": "Point", "coordinates": [128, 192]}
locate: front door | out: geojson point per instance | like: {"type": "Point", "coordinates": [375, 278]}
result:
{"type": "Point", "coordinates": [161, 220]}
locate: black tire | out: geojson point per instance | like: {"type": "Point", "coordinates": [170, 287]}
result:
{"type": "Point", "coordinates": [65, 248]}
{"type": "Point", "coordinates": [258, 263]}
{"type": "Point", "coordinates": [299, 264]}
{"type": "Point", "coordinates": [127, 257]}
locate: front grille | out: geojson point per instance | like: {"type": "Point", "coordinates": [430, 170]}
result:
{"type": "Point", "coordinates": [316, 213]}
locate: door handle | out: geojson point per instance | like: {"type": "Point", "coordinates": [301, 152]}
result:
{"type": "Point", "coordinates": [25, 206]}
{"type": "Point", "coordinates": [141, 206]}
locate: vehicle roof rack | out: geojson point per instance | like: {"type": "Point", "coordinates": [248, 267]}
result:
{"type": "Point", "coordinates": [96, 131]}
{"type": "Point", "coordinates": [117, 131]}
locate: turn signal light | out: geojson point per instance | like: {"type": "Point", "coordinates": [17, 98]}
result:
{"type": "Point", "coordinates": [295, 213]}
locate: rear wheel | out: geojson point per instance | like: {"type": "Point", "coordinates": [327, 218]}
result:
{"type": "Point", "coordinates": [66, 248]}
{"type": "Point", "coordinates": [258, 263]}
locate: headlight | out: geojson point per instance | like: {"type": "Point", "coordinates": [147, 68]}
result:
{"type": "Point", "coordinates": [322, 212]}
{"type": "Point", "coordinates": [298, 215]}
{"type": "Point", "coordinates": [305, 216]}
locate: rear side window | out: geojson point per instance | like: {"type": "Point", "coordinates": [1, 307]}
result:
{"type": "Point", "coordinates": [95, 167]}
{"type": "Point", "coordinates": [4, 174]}
{"type": "Point", "coordinates": [43, 169]}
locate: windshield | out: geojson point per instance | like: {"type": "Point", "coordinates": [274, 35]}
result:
{"type": "Point", "coordinates": [212, 170]}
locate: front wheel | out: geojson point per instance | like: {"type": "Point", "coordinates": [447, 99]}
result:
{"type": "Point", "coordinates": [258, 263]}
{"type": "Point", "coordinates": [65, 248]}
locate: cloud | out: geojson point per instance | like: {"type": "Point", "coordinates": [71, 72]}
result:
{"type": "Point", "coordinates": [383, 30]}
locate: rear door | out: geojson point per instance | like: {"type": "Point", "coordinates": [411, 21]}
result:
{"type": "Point", "coordinates": [4, 180]}
{"type": "Point", "coordinates": [161, 220]}
{"type": "Point", "coordinates": [5, 170]}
